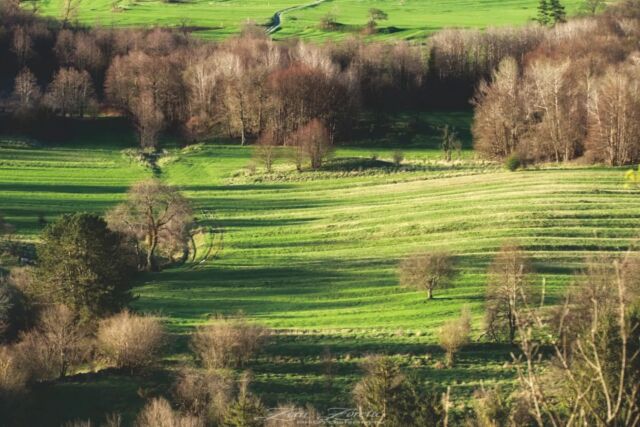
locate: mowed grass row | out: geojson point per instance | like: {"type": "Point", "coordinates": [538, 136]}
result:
{"type": "Point", "coordinates": [323, 255]}
{"type": "Point", "coordinates": [408, 19]}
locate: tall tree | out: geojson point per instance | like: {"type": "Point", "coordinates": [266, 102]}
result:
{"type": "Point", "coordinates": [508, 290]}
{"type": "Point", "coordinates": [557, 13]}
{"type": "Point", "coordinates": [544, 9]}
{"type": "Point", "coordinates": [81, 264]}
{"type": "Point", "coordinates": [156, 216]}
{"type": "Point", "coordinates": [26, 91]}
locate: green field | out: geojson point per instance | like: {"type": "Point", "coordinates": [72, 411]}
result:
{"type": "Point", "coordinates": [314, 254]}
{"type": "Point", "coordinates": [408, 19]}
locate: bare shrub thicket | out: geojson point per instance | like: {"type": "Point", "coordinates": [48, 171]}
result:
{"type": "Point", "coordinates": [159, 413]}
{"type": "Point", "coordinates": [205, 394]}
{"type": "Point", "coordinates": [228, 342]}
{"type": "Point", "coordinates": [130, 341]}
{"type": "Point", "coordinates": [55, 346]}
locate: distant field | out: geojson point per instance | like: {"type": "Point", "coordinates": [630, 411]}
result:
{"type": "Point", "coordinates": [314, 255]}
{"type": "Point", "coordinates": [221, 18]}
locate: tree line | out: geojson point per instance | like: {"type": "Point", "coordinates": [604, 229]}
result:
{"type": "Point", "coordinates": [573, 96]}
{"type": "Point", "coordinates": [251, 88]}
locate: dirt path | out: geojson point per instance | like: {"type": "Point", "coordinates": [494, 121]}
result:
{"type": "Point", "coordinates": [276, 21]}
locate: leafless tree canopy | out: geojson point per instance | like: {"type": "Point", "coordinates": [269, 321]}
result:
{"type": "Point", "coordinates": [156, 216]}
{"type": "Point", "coordinates": [428, 271]}
{"type": "Point", "coordinates": [509, 287]}
{"type": "Point", "coordinates": [594, 377]}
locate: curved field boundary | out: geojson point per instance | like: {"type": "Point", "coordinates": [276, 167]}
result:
{"type": "Point", "coordinates": [276, 21]}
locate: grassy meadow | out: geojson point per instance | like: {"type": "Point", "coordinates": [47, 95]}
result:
{"type": "Point", "coordinates": [314, 254]}
{"type": "Point", "coordinates": [215, 19]}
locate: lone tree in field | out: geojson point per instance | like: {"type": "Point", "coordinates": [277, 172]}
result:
{"type": "Point", "coordinates": [508, 290]}
{"type": "Point", "coordinates": [427, 271]}
{"type": "Point", "coordinates": [81, 265]}
{"type": "Point", "coordinates": [376, 15]}
{"type": "Point", "coordinates": [155, 216]}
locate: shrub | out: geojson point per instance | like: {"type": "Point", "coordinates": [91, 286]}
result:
{"type": "Point", "coordinates": [385, 396]}
{"type": "Point", "coordinates": [158, 413]}
{"type": "Point", "coordinates": [54, 346]}
{"type": "Point", "coordinates": [513, 162]}
{"type": "Point", "coordinates": [131, 341]}
{"type": "Point", "coordinates": [228, 343]}
{"type": "Point", "coordinates": [454, 334]}
{"type": "Point", "coordinates": [398, 157]}
{"type": "Point", "coordinates": [247, 410]}
{"type": "Point", "coordinates": [13, 378]}
{"type": "Point", "coordinates": [491, 407]}
{"type": "Point", "coordinates": [204, 394]}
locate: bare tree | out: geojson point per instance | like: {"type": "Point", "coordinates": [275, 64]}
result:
{"type": "Point", "coordinates": [156, 216]}
{"type": "Point", "coordinates": [313, 141]}
{"type": "Point", "coordinates": [553, 99]}
{"type": "Point", "coordinates": [69, 10]}
{"type": "Point", "coordinates": [26, 91]}
{"type": "Point", "coordinates": [265, 149]}
{"type": "Point", "coordinates": [148, 119]}
{"type": "Point", "coordinates": [427, 271]}
{"type": "Point", "coordinates": [57, 344]}
{"type": "Point", "coordinates": [152, 99]}
{"type": "Point", "coordinates": [22, 44]}
{"type": "Point", "coordinates": [500, 117]}
{"type": "Point", "coordinates": [508, 289]}
{"type": "Point", "coordinates": [614, 117]}
{"type": "Point", "coordinates": [70, 92]}
{"type": "Point", "coordinates": [595, 373]}
{"type": "Point", "coordinates": [450, 142]}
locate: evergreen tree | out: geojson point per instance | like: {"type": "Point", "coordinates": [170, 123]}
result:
{"type": "Point", "coordinates": [557, 13]}
{"type": "Point", "coordinates": [81, 265]}
{"type": "Point", "coordinates": [544, 10]}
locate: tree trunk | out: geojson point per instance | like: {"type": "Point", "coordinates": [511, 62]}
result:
{"type": "Point", "coordinates": [429, 293]}
{"type": "Point", "coordinates": [153, 244]}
